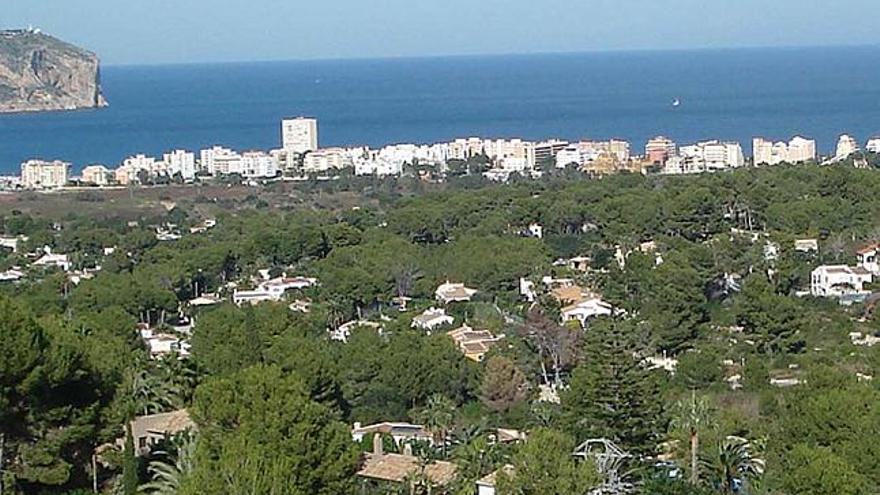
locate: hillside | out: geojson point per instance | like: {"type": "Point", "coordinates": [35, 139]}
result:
{"type": "Point", "coordinates": [41, 73]}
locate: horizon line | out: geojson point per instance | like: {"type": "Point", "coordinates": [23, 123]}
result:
{"type": "Point", "coordinates": [610, 51]}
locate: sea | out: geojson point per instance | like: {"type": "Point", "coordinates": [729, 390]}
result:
{"type": "Point", "coordinates": [732, 94]}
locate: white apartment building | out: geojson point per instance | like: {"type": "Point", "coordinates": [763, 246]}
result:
{"type": "Point", "coordinates": [547, 150]}
{"type": "Point", "coordinates": [376, 165]}
{"type": "Point", "coordinates": [39, 174]}
{"type": "Point", "coordinates": [136, 164]}
{"type": "Point", "coordinates": [258, 164]}
{"type": "Point", "coordinates": [586, 152]}
{"type": "Point", "coordinates": [798, 150]}
{"type": "Point", "coordinates": [839, 281]}
{"type": "Point", "coordinates": [846, 146]}
{"type": "Point", "coordinates": [181, 162]}
{"type": "Point", "coordinates": [869, 258]}
{"type": "Point", "coordinates": [220, 161]}
{"type": "Point", "coordinates": [707, 156]}
{"type": "Point", "coordinates": [873, 145]}
{"type": "Point", "coordinates": [326, 159]}
{"type": "Point", "coordinates": [512, 154]}
{"type": "Point", "coordinates": [98, 175]}
{"type": "Point", "coordinates": [299, 135]}
{"type": "Point", "coordinates": [660, 149]}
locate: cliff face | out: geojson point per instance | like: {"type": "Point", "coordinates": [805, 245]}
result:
{"type": "Point", "coordinates": [40, 73]}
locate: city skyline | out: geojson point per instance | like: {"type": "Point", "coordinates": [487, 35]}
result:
{"type": "Point", "coordinates": [165, 31]}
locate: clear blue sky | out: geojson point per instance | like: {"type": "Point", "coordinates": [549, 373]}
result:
{"type": "Point", "coordinates": [158, 31]}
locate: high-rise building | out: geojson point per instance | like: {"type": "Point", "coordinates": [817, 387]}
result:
{"type": "Point", "coordinates": [299, 135]}
{"type": "Point", "coordinates": [546, 150]}
{"type": "Point", "coordinates": [660, 149]}
{"type": "Point", "coordinates": [181, 162]}
{"type": "Point", "coordinates": [39, 174]}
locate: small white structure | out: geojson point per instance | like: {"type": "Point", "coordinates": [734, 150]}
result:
{"type": "Point", "coordinates": [536, 230]}
{"type": "Point", "coordinates": [343, 333]}
{"type": "Point", "coordinates": [806, 245]}
{"type": "Point", "coordinates": [205, 300]}
{"type": "Point", "coordinates": [450, 292]}
{"type": "Point", "coordinates": [868, 258]}
{"type": "Point", "coordinates": [163, 344]}
{"type": "Point", "coordinates": [432, 318]}
{"type": "Point", "coordinates": [12, 242]}
{"type": "Point", "coordinates": [11, 275]}
{"type": "Point", "coordinates": [256, 296]}
{"type": "Point", "coordinates": [839, 281]}
{"type": "Point", "coordinates": [486, 485]}
{"type": "Point", "coordinates": [527, 290]}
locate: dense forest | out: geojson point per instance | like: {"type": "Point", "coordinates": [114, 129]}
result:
{"type": "Point", "coordinates": [768, 393]}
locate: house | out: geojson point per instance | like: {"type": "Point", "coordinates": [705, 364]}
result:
{"type": "Point", "coordinates": [203, 226]}
{"type": "Point", "coordinates": [486, 485]}
{"type": "Point", "coordinates": [402, 433]}
{"type": "Point", "coordinates": [53, 260]}
{"type": "Point", "coordinates": [585, 309]}
{"type": "Point", "coordinates": [285, 284]}
{"type": "Point", "coordinates": [163, 344]}
{"type": "Point", "coordinates": [806, 246]}
{"type": "Point", "coordinates": [11, 275]}
{"type": "Point", "coordinates": [399, 468]}
{"type": "Point", "coordinates": [579, 264]}
{"type": "Point", "coordinates": [12, 242]}
{"type": "Point", "coordinates": [257, 296]}
{"type": "Point", "coordinates": [432, 318]}
{"type": "Point", "coordinates": [149, 431]}
{"type": "Point", "coordinates": [450, 292]}
{"type": "Point", "coordinates": [839, 281]}
{"type": "Point", "coordinates": [205, 300]}
{"type": "Point", "coordinates": [474, 343]}
{"type": "Point", "coordinates": [868, 258]}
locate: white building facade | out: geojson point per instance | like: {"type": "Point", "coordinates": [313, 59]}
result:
{"type": "Point", "coordinates": [299, 135]}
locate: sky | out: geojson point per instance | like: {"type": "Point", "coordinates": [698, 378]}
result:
{"type": "Point", "coordinates": [192, 31]}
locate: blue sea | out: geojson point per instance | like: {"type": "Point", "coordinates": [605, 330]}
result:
{"type": "Point", "coordinates": [726, 94]}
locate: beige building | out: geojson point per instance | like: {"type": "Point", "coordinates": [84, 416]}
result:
{"type": "Point", "coordinates": [326, 159]}
{"type": "Point", "coordinates": [660, 149]}
{"type": "Point", "coordinates": [39, 174]}
{"type": "Point", "coordinates": [299, 135]}
{"type": "Point", "coordinates": [798, 150]}
{"type": "Point", "coordinates": [98, 175]}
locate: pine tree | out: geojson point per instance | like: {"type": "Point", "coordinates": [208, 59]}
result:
{"type": "Point", "coordinates": [612, 394]}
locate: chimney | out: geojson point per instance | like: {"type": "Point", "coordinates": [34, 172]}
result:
{"type": "Point", "coordinates": [377, 444]}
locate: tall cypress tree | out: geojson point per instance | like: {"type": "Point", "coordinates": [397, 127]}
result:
{"type": "Point", "coordinates": [130, 470]}
{"type": "Point", "coordinates": [612, 394]}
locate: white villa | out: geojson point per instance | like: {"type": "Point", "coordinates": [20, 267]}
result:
{"type": "Point", "coordinates": [402, 433]}
{"type": "Point", "coordinates": [53, 260]}
{"type": "Point", "coordinates": [582, 311]}
{"type": "Point", "coordinates": [432, 318]}
{"type": "Point", "coordinates": [450, 292]}
{"type": "Point", "coordinates": [868, 258]}
{"type": "Point", "coordinates": [839, 281]}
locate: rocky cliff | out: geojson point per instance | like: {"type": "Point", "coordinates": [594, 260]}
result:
{"type": "Point", "coordinates": [40, 73]}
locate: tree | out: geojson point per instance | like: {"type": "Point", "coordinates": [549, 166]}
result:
{"type": "Point", "coordinates": [545, 466]}
{"type": "Point", "coordinates": [259, 428]}
{"type": "Point", "coordinates": [438, 416]}
{"type": "Point", "coordinates": [168, 476]}
{"type": "Point", "coordinates": [691, 416]}
{"type": "Point", "coordinates": [818, 471]}
{"type": "Point", "coordinates": [612, 394]}
{"type": "Point", "coordinates": [130, 465]}
{"type": "Point", "coordinates": [732, 466]}
{"type": "Point", "coordinates": [503, 385]}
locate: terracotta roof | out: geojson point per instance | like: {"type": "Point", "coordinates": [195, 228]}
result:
{"type": "Point", "coordinates": [869, 248]}
{"type": "Point", "coordinates": [396, 467]}
{"type": "Point", "coordinates": [164, 423]}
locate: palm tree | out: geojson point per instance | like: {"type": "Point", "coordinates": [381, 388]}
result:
{"type": "Point", "coordinates": [733, 466]}
{"type": "Point", "coordinates": [692, 416]}
{"type": "Point", "coordinates": [167, 477]}
{"type": "Point", "coordinates": [438, 416]}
